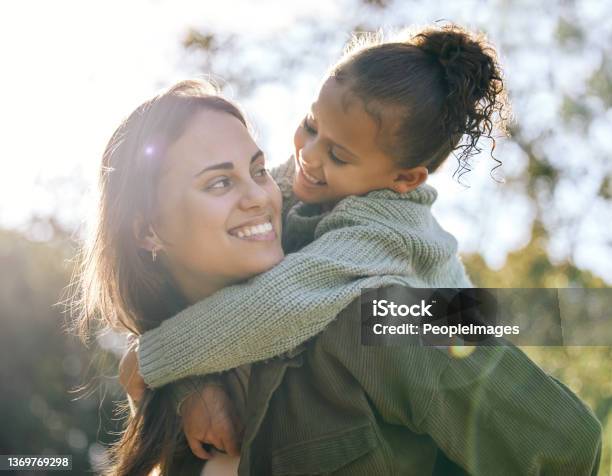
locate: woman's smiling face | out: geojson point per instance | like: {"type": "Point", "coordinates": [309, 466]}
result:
{"type": "Point", "coordinates": [218, 219]}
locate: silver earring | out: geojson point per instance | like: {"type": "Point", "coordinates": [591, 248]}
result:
{"type": "Point", "coordinates": [154, 254]}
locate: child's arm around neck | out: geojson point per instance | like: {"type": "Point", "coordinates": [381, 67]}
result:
{"type": "Point", "coordinates": [280, 309]}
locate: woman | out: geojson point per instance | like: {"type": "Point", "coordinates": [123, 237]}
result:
{"type": "Point", "coordinates": [186, 208]}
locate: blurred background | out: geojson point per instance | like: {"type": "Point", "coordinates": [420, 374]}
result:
{"type": "Point", "coordinates": [72, 70]}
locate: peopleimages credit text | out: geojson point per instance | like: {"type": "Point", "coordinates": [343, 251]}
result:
{"type": "Point", "coordinates": [400, 315]}
{"type": "Point", "coordinates": [383, 308]}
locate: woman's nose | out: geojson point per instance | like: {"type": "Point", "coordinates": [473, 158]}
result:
{"type": "Point", "coordinates": [253, 196]}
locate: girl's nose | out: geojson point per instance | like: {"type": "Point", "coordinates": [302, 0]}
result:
{"type": "Point", "coordinates": [310, 155]}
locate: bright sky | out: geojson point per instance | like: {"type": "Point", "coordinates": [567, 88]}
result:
{"type": "Point", "coordinates": [72, 70]}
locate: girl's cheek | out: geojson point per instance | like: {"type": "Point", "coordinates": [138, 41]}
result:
{"type": "Point", "coordinates": [298, 138]}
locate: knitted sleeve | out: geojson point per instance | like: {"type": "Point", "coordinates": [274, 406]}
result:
{"type": "Point", "coordinates": [283, 175]}
{"type": "Point", "coordinates": [277, 310]}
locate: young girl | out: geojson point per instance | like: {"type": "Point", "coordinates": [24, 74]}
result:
{"type": "Point", "coordinates": [387, 116]}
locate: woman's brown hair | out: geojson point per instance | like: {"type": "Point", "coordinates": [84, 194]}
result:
{"type": "Point", "coordinates": [118, 285]}
{"type": "Point", "coordinates": [441, 90]}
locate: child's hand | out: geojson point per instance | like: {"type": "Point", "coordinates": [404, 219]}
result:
{"type": "Point", "coordinates": [129, 375]}
{"type": "Point", "coordinates": [209, 418]}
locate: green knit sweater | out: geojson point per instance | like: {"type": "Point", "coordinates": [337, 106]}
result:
{"type": "Point", "coordinates": [368, 241]}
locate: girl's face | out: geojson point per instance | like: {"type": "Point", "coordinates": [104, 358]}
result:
{"type": "Point", "coordinates": [337, 152]}
{"type": "Point", "coordinates": [219, 210]}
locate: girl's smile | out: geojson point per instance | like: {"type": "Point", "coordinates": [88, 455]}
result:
{"type": "Point", "coordinates": [310, 180]}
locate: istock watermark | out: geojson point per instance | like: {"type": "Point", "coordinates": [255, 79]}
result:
{"type": "Point", "coordinates": [398, 315]}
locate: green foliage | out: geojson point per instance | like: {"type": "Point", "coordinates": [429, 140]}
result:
{"type": "Point", "coordinates": [41, 365]}
{"type": "Point", "coordinates": [605, 191]}
{"type": "Point", "coordinates": [377, 3]}
{"type": "Point", "coordinates": [568, 34]}
{"type": "Point", "coordinates": [201, 41]}
{"type": "Point", "coordinates": [600, 84]}
{"type": "Point", "coordinates": [572, 108]}
{"type": "Point", "coordinates": [531, 267]}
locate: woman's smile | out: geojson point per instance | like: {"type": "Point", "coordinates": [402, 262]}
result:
{"type": "Point", "coordinates": [260, 229]}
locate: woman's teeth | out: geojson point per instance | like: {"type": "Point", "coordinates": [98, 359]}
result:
{"type": "Point", "coordinates": [254, 230]}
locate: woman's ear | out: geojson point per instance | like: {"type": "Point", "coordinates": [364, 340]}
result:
{"type": "Point", "coordinates": [145, 235]}
{"type": "Point", "coordinates": [406, 180]}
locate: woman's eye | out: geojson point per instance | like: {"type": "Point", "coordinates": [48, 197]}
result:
{"type": "Point", "coordinates": [219, 184]}
{"type": "Point", "coordinates": [261, 172]}
{"type": "Point", "coordinates": [335, 158]}
{"type": "Point", "coordinates": [307, 127]}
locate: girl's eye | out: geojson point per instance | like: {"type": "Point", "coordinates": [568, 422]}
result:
{"type": "Point", "coordinates": [307, 127]}
{"type": "Point", "coordinates": [219, 184]}
{"type": "Point", "coordinates": [334, 158]}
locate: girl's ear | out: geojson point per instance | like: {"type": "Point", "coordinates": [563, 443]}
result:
{"type": "Point", "coordinates": [406, 180]}
{"type": "Point", "coordinates": [145, 236]}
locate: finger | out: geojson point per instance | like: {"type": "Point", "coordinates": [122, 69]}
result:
{"type": "Point", "coordinates": [126, 374]}
{"type": "Point", "coordinates": [225, 431]}
{"type": "Point", "coordinates": [123, 377]}
{"type": "Point", "coordinates": [135, 385]}
{"type": "Point", "coordinates": [197, 449]}
{"type": "Point", "coordinates": [136, 394]}
{"type": "Point", "coordinates": [138, 388]}
{"type": "Point", "coordinates": [230, 444]}
{"type": "Point", "coordinates": [237, 433]}
{"type": "Point", "coordinates": [216, 442]}
{"type": "Point", "coordinates": [239, 428]}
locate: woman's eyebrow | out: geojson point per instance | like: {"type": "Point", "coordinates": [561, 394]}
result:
{"type": "Point", "coordinates": [227, 165]}
{"type": "Point", "coordinates": [257, 155]}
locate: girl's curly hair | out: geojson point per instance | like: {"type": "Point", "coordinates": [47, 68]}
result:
{"type": "Point", "coordinates": [436, 92]}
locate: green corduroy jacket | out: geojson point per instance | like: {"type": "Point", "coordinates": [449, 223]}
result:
{"type": "Point", "coordinates": [334, 406]}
